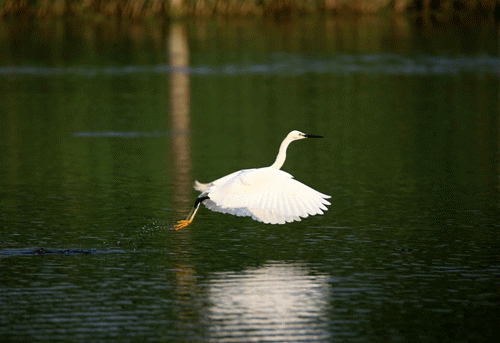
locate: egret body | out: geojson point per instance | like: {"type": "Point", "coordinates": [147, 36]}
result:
{"type": "Point", "coordinates": [268, 194]}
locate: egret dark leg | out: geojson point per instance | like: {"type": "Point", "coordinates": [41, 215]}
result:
{"type": "Point", "coordinates": [183, 223]}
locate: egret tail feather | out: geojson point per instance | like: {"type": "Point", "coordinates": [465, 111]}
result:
{"type": "Point", "coordinates": [201, 187]}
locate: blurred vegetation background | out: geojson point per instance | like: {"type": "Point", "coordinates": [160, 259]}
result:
{"type": "Point", "coordinates": [98, 9]}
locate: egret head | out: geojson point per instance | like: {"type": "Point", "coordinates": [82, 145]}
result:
{"type": "Point", "coordinates": [295, 135]}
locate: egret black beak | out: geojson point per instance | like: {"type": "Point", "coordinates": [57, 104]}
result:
{"type": "Point", "coordinates": [312, 136]}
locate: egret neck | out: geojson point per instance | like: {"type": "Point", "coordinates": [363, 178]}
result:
{"type": "Point", "coordinates": [292, 136]}
{"type": "Point", "coordinates": [280, 159]}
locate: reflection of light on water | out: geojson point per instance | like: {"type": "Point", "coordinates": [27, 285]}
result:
{"type": "Point", "coordinates": [179, 93]}
{"type": "Point", "coordinates": [274, 303]}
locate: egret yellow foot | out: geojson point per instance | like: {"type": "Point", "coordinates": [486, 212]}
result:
{"type": "Point", "coordinates": [181, 223]}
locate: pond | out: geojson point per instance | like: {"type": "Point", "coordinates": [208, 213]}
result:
{"type": "Point", "coordinates": [106, 126]}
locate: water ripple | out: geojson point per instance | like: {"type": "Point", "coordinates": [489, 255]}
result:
{"type": "Point", "coordinates": [376, 64]}
{"type": "Point", "coordinates": [123, 134]}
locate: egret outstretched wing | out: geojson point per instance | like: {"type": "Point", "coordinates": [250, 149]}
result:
{"type": "Point", "coordinates": [268, 195]}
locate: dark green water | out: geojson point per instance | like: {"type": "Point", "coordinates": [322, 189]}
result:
{"type": "Point", "coordinates": [105, 127]}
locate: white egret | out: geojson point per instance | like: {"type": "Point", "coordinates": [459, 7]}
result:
{"type": "Point", "coordinates": [267, 194]}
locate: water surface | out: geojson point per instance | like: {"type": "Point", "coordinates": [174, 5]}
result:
{"type": "Point", "coordinates": [105, 127]}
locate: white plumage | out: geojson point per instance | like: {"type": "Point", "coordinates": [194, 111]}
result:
{"type": "Point", "coordinates": [267, 194]}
